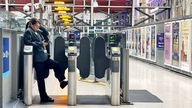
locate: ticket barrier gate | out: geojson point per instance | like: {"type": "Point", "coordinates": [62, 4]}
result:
{"type": "Point", "coordinates": [99, 59]}
{"type": "Point", "coordinates": [69, 62]}
{"type": "Point", "coordinates": [113, 62]}
{"type": "Point", "coordinates": [118, 76]}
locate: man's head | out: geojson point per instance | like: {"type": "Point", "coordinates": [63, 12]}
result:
{"type": "Point", "coordinates": [35, 24]}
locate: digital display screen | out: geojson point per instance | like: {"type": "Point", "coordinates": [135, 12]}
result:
{"type": "Point", "coordinates": [72, 39]}
{"type": "Point", "coordinates": [71, 36]}
{"type": "Point", "coordinates": [115, 50]}
{"type": "Point", "coordinates": [112, 40]}
{"type": "Point", "coordinates": [71, 48]}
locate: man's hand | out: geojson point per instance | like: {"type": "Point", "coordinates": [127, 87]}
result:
{"type": "Point", "coordinates": [44, 43]}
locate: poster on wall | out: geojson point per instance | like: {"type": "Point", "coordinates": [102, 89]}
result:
{"type": "Point", "coordinates": [175, 44]}
{"type": "Point", "coordinates": [143, 51]}
{"type": "Point", "coordinates": [178, 8]}
{"type": "Point", "coordinates": [135, 42]}
{"type": "Point", "coordinates": [137, 14]}
{"type": "Point", "coordinates": [191, 47]}
{"type": "Point", "coordinates": [129, 33]}
{"type": "Point", "coordinates": [6, 58]}
{"type": "Point", "coordinates": [185, 51]}
{"type": "Point", "coordinates": [148, 42]}
{"type": "Point", "coordinates": [127, 40]}
{"type": "Point", "coordinates": [167, 50]}
{"type": "Point", "coordinates": [160, 41]}
{"type": "Point", "coordinates": [153, 43]}
{"type": "Point", "coordinates": [139, 42]}
{"type": "Point", "coordinates": [130, 38]}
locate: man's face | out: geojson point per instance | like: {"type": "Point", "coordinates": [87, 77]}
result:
{"type": "Point", "coordinates": [36, 26]}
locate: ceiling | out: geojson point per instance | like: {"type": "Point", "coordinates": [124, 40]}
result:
{"type": "Point", "coordinates": [77, 2]}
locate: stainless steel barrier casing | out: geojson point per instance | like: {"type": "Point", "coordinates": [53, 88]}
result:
{"type": "Point", "coordinates": [115, 76]}
{"type": "Point", "coordinates": [28, 74]}
{"type": "Point", "coordinates": [72, 76]}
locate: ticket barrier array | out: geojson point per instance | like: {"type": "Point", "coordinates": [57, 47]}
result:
{"type": "Point", "coordinates": [99, 59]}
{"type": "Point", "coordinates": [82, 62]}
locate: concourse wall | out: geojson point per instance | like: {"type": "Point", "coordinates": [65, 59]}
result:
{"type": "Point", "coordinates": [167, 44]}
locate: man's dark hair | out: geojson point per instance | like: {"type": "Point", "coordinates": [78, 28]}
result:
{"type": "Point", "coordinates": [34, 21]}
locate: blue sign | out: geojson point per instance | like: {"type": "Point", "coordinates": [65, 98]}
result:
{"type": "Point", "coordinates": [76, 33]}
{"type": "Point", "coordinates": [6, 69]}
{"type": "Point", "coordinates": [160, 41]}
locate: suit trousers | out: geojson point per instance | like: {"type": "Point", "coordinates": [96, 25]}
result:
{"type": "Point", "coordinates": [42, 71]}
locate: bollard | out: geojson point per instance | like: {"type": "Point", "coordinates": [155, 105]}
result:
{"type": "Point", "coordinates": [28, 74]}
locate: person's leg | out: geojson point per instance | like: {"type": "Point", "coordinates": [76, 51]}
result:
{"type": "Point", "coordinates": [60, 75]}
{"type": "Point", "coordinates": [39, 68]}
{"type": "Point", "coordinates": [51, 64]}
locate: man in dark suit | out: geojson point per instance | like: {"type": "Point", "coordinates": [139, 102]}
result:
{"type": "Point", "coordinates": [42, 63]}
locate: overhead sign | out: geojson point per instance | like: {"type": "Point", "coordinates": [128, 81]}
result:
{"type": "Point", "coordinates": [6, 59]}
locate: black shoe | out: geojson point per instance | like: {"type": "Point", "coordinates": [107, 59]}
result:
{"type": "Point", "coordinates": [63, 84]}
{"type": "Point", "coordinates": [48, 99]}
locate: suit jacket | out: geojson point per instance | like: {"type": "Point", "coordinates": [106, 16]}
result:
{"type": "Point", "coordinates": [34, 38]}
{"type": "Point", "coordinates": [45, 35]}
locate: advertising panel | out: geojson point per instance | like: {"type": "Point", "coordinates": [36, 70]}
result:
{"type": "Point", "coordinates": [167, 50]}
{"type": "Point", "coordinates": [135, 42]}
{"type": "Point", "coordinates": [127, 39]}
{"type": "Point", "coordinates": [153, 43]}
{"type": "Point", "coordinates": [139, 42]}
{"type": "Point", "coordinates": [143, 45]}
{"type": "Point", "coordinates": [6, 58]}
{"type": "Point", "coordinates": [148, 42]}
{"type": "Point", "coordinates": [175, 43]}
{"type": "Point", "coordinates": [185, 51]}
{"type": "Point", "coordinates": [130, 38]}
{"type": "Point", "coordinates": [160, 41]}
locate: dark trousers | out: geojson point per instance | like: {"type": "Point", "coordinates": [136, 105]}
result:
{"type": "Point", "coordinates": [42, 71]}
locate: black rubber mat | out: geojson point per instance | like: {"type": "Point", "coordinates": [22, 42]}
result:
{"type": "Point", "coordinates": [59, 53]}
{"type": "Point", "coordinates": [143, 96]}
{"type": "Point", "coordinates": [83, 60]}
{"type": "Point", "coordinates": [101, 62]}
{"type": "Point", "coordinates": [81, 100]}
{"type": "Point", "coordinates": [93, 99]}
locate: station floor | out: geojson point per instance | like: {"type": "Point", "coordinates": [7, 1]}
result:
{"type": "Point", "coordinates": [173, 89]}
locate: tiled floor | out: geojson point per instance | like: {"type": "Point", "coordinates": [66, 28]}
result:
{"type": "Point", "coordinates": [173, 89]}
